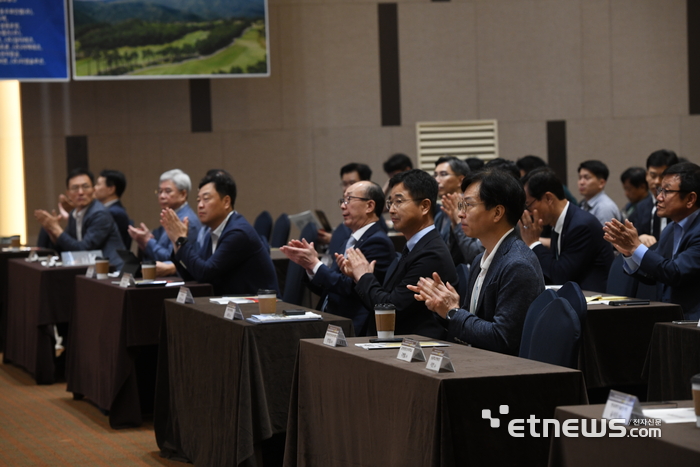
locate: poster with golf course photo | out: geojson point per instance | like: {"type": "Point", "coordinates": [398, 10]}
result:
{"type": "Point", "coordinates": [158, 39]}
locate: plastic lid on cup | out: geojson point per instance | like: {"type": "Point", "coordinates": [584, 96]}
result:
{"type": "Point", "coordinates": [148, 262]}
{"type": "Point", "coordinates": [267, 292]}
{"type": "Point", "coordinates": [384, 306]}
{"type": "Point", "coordinates": [695, 379]}
{"type": "Point", "coordinates": [100, 258]}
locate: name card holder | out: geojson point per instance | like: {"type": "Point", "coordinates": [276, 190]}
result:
{"type": "Point", "coordinates": [233, 311]}
{"type": "Point", "coordinates": [410, 351]}
{"type": "Point", "coordinates": [622, 406]}
{"type": "Point", "coordinates": [335, 337]}
{"type": "Point", "coordinates": [185, 295]}
{"type": "Point", "coordinates": [90, 273]}
{"type": "Point", "coordinates": [127, 280]}
{"type": "Point", "coordinates": [439, 360]}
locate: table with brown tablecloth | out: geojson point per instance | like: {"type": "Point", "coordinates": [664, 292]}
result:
{"type": "Point", "coordinates": [39, 297]}
{"type": "Point", "coordinates": [674, 357]}
{"type": "Point", "coordinates": [678, 445]}
{"type": "Point", "coordinates": [223, 386]}
{"type": "Point", "coordinates": [352, 406]}
{"type": "Point", "coordinates": [113, 346]}
{"type": "Point", "coordinates": [615, 341]}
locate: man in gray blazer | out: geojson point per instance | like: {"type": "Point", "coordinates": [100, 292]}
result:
{"type": "Point", "coordinates": [504, 280]}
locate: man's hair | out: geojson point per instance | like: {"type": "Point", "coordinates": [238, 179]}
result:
{"type": "Point", "coordinates": [636, 176]}
{"type": "Point", "coordinates": [499, 188]}
{"type": "Point", "coordinates": [397, 162]}
{"type": "Point", "coordinates": [362, 170]}
{"type": "Point", "coordinates": [458, 166]}
{"type": "Point", "coordinates": [116, 179]}
{"type": "Point", "coordinates": [542, 180]}
{"type": "Point", "coordinates": [419, 184]}
{"type": "Point", "coordinates": [662, 158]}
{"type": "Point", "coordinates": [223, 184]}
{"type": "Point", "coordinates": [504, 165]}
{"type": "Point", "coordinates": [179, 178]}
{"type": "Point", "coordinates": [80, 171]}
{"type": "Point", "coordinates": [376, 194]}
{"type": "Point", "coordinates": [529, 163]}
{"type": "Point", "coordinates": [689, 174]}
{"type": "Point", "coordinates": [597, 168]}
{"type": "Point", "coordinates": [474, 163]}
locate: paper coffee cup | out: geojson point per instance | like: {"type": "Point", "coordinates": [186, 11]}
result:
{"type": "Point", "coordinates": [14, 242]}
{"type": "Point", "coordinates": [101, 268]}
{"type": "Point", "coordinates": [695, 382]}
{"type": "Point", "coordinates": [385, 317]}
{"type": "Point", "coordinates": [148, 270]}
{"type": "Point", "coordinates": [267, 300]}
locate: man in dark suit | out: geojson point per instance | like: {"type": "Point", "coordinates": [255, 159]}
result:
{"type": "Point", "coordinates": [90, 226]}
{"type": "Point", "coordinates": [362, 204]}
{"type": "Point", "coordinates": [674, 262]}
{"type": "Point", "coordinates": [577, 251]}
{"type": "Point", "coordinates": [108, 190]}
{"type": "Point", "coordinates": [234, 259]}
{"type": "Point", "coordinates": [411, 202]}
{"type": "Point", "coordinates": [504, 280]}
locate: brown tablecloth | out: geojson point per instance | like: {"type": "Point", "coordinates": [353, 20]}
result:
{"type": "Point", "coordinates": [678, 445]}
{"type": "Point", "coordinates": [616, 339]}
{"type": "Point", "coordinates": [224, 385]}
{"type": "Point", "coordinates": [674, 357]}
{"type": "Point", "coordinates": [113, 347]}
{"type": "Point", "coordinates": [353, 407]}
{"type": "Point", "coordinates": [38, 298]}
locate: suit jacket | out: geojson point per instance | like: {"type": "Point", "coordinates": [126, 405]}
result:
{"type": "Point", "coordinates": [340, 289]}
{"type": "Point", "coordinates": [641, 217]}
{"type": "Point", "coordinates": [121, 218]}
{"type": "Point", "coordinates": [240, 265]}
{"type": "Point", "coordinates": [99, 232]}
{"type": "Point", "coordinates": [512, 283]}
{"type": "Point", "coordinates": [585, 257]}
{"type": "Point", "coordinates": [429, 255]}
{"type": "Point", "coordinates": [676, 278]}
{"type": "Point", "coordinates": [160, 248]}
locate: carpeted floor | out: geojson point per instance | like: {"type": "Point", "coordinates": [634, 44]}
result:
{"type": "Point", "coordinates": [43, 425]}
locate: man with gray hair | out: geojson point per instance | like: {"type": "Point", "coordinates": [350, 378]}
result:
{"type": "Point", "coordinates": [449, 173]}
{"type": "Point", "coordinates": [173, 189]}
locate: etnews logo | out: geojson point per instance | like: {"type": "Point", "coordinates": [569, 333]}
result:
{"type": "Point", "coordinates": [569, 428]}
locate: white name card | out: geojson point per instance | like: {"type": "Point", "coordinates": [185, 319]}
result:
{"type": "Point", "coordinates": [439, 360]}
{"type": "Point", "coordinates": [622, 406]}
{"type": "Point", "coordinates": [335, 337]}
{"type": "Point", "coordinates": [185, 295]}
{"type": "Point", "coordinates": [90, 272]}
{"type": "Point", "coordinates": [127, 280]}
{"type": "Point", "coordinates": [233, 311]}
{"type": "Point", "coordinates": [410, 351]}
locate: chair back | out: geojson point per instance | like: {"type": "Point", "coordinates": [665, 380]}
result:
{"type": "Point", "coordinates": [463, 275]}
{"type": "Point", "coordinates": [573, 294]}
{"type": "Point", "coordinates": [533, 314]}
{"type": "Point", "coordinates": [556, 335]}
{"type": "Point", "coordinates": [294, 288]}
{"type": "Point", "coordinates": [280, 232]}
{"type": "Point", "coordinates": [619, 283]}
{"type": "Point", "coordinates": [263, 225]}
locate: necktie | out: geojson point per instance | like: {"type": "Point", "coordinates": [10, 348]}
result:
{"type": "Point", "coordinates": [351, 242]}
{"type": "Point", "coordinates": [655, 224]}
{"type": "Point", "coordinates": [585, 206]}
{"type": "Point", "coordinates": [554, 245]}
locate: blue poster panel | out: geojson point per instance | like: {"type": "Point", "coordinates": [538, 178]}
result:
{"type": "Point", "coordinates": [157, 39]}
{"type": "Point", "coordinates": [33, 40]}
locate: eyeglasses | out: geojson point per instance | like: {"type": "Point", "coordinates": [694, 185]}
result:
{"type": "Point", "coordinates": [527, 206]}
{"type": "Point", "coordinates": [345, 201]}
{"type": "Point", "coordinates": [397, 202]}
{"type": "Point", "coordinates": [77, 188]}
{"type": "Point", "coordinates": [465, 206]}
{"type": "Point", "coordinates": [167, 191]}
{"type": "Point", "coordinates": [442, 174]}
{"type": "Point", "coordinates": [665, 191]}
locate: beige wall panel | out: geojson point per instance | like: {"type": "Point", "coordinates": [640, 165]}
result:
{"type": "Point", "coordinates": [518, 139]}
{"type": "Point", "coordinates": [112, 107]}
{"type": "Point", "coordinates": [649, 56]}
{"type": "Point", "coordinates": [53, 109]}
{"type": "Point", "coordinates": [251, 103]}
{"type": "Point", "coordinates": [620, 143]}
{"type": "Point", "coordinates": [329, 61]}
{"type": "Point", "coordinates": [437, 48]}
{"type": "Point", "coordinates": [146, 165]}
{"type": "Point", "coordinates": [690, 138]}
{"type": "Point", "coordinates": [157, 106]}
{"type": "Point", "coordinates": [596, 66]}
{"type": "Point", "coordinates": [193, 153]}
{"type": "Point", "coordinates": [529, 59]}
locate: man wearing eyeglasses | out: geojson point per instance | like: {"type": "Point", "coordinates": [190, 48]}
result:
{"type": "Point", "coordinates": [674, 262]}
{"type": "Point", "coordinates": [411, 202]}
{"type": "Point", "coordinates": [90, 225]}
{"type": "Point", "coordinates": [362, 204]}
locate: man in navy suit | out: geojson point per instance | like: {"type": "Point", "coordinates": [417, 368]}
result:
{"type": "Point", "coordinates": [411, 204]}
{"type": "Point", "coordinates": [362, 204]}
{"type": "Point", "coordinates": [90, 226]}
{"type": "Point", "coordinates": [504, 279]}
{"type": "Point", "coordinates": [674, 262]}
{"type": "Point", "coordinates": [577, 251]}
{"type": "Point", "coordinates": [234, 259]}
{"type": "Point", "coordinates": [173, 190]}
{"type": "Point", "coordinates": [108, 190]}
